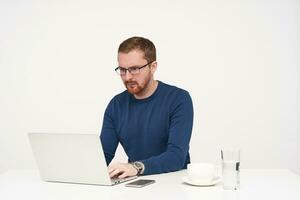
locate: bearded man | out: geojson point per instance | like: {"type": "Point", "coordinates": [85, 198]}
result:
{"type": "Point", "coordinates": [151, 120]}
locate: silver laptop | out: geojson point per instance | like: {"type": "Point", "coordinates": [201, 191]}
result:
{"type": "Point", "coordinates": [71, 158]}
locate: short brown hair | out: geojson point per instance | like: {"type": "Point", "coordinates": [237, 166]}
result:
{"type": "Point", "coordinates": [139, 43]}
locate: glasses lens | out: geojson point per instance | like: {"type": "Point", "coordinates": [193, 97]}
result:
{"type": "Point", "coordinates": [134, 70]}
{"type": "Point", "coordinates": [121, 71]}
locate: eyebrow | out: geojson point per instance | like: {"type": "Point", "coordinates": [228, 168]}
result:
{"type": "Point", "coordinates": [129, 67]}
{"type": "Point", "coordinates": [138, 66]}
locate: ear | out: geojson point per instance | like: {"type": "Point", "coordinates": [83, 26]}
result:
{"type": "Point", "coordinates": [153, 67]}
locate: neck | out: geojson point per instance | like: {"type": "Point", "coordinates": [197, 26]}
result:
{"type": "Point", "coordinates": [148, 91]}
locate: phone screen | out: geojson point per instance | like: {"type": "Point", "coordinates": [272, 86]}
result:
{"type": "Point", "coordinates": [140, 183]}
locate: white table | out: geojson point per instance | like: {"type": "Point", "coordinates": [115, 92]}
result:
{"type": "Point", "coordinates": [255, 185]}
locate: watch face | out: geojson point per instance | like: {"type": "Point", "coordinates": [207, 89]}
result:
{"type": "Point", "coordinates": [138, 165]}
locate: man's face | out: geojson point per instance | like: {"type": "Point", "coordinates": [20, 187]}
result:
{"type": "Point", "coordinates": [136, 83]}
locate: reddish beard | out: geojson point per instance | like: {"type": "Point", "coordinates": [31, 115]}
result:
{"type": "Point", "coordinates": [133, 87]}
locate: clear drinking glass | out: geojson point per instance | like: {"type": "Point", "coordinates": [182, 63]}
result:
{"type": "Point", "coordinates": [231, 168]}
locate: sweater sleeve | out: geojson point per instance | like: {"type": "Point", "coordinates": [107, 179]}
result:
{"type": "Point", "coordinates": [108, 134]}
{"type": "Point", "coordinates": [181, 122]}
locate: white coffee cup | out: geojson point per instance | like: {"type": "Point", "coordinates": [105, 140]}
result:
{"type": "Point", "coordinates": [201, 171]}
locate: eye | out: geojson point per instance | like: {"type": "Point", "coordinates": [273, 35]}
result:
{"type": "Point", "coordinates": [133, 69]}
{"type": "Point", "coordinates": [122, 69]}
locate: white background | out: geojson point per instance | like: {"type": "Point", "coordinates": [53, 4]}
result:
{"type": "Point", "coordinates": [239, 60]}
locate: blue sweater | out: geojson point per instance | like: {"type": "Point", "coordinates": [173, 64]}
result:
{"type": "Point", "coordinates": [155, 130]}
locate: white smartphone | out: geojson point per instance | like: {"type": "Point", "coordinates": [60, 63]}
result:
{"type": "Point", "coordinates": [140, 183]}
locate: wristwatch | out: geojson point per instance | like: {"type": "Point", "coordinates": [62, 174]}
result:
{"type": "Point", "coordinates": [139, 166]}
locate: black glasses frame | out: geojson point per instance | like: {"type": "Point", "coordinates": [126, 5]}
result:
{"type": "Point", "coordinates": [130, 69]}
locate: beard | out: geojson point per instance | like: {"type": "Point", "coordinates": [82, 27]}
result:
{"type": "Point", "coordinates": [133, 87]}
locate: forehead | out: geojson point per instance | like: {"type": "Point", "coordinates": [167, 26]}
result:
{"type": "Point", "coordinates": [132, 58]}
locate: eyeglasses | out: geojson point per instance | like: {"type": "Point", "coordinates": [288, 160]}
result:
{"type": "Point", "coordinates": [132, 70]}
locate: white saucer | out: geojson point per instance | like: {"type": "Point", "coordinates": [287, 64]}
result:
{"type": "Point", "coordinates": [201, 182]}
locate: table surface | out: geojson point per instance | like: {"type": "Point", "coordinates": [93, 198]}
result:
{"type": "Point", "coordinates": [255, 184]}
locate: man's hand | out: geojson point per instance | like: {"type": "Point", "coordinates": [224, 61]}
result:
{"type": "Point", "coordinates": [121, 170]}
